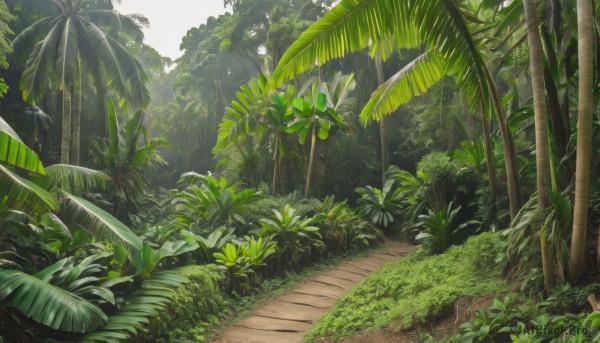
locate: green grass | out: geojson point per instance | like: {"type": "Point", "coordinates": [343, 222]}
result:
{"type": "Point", "coordinates": [412, 290]}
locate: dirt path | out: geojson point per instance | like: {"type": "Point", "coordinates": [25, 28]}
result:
{"type": "Point", "coordinates": [286, 318]}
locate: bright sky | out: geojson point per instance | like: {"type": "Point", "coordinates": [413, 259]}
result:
{"type": "Point", "coordinates": [170, 20]}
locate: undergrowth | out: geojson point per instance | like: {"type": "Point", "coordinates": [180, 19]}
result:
{"type": "Point", "coordinates": [201, 310]}
{"type": "Point", "coordinates": [414, 289]}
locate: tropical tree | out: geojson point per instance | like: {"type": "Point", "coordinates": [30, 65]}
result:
{"type": "Point", "coordinates": [126, 160]}
{"type": "Point", "coordinates": [73, 37]}
{"type": "Point", "coordinates": [318, 114]}
{"type": "Point", "coordinates": [449, 46]}
{"type": "Point", "coordinates": [585, 34]}
{"type": "Point", "coordinates": [541, 131]}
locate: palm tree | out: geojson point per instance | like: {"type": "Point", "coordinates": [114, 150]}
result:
{"type": "Point", "coordinates": [584, 136]}
{"type": "Point", "coordinates": [541, 131]}
{"type": "Point", "coordinates": [73, 37]}
{"type": "Point", "coordinates": [438, 24]}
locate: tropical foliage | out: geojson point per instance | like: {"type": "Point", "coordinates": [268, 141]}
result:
{"type": "Point", "coordinates": [486, 121]}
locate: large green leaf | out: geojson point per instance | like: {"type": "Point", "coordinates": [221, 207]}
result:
{"type": "Point", "coordinates": [14, 152]}
{"type": "Point", "coordinates": [70, 177]}
{"type": "Point", "coordinates": [23, 194]}
{"type": "Point", "coordinates": [353, 25]}
{"type": "Point", "coordinates": [412, 80]}
{"type": "Point", "coordinates": [138, 306]}
{"type": "Point", "coordinates": [47, 304]}
{"type": "Point", "coordinates": [92, 217]}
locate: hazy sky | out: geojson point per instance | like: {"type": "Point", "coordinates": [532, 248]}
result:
{"type": "Point", "coordinates": [170, 20]}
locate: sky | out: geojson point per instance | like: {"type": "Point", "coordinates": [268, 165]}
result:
{"type": "Point", "coordinates": [170, 20]}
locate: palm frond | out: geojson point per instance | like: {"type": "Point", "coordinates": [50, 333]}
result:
{"type": "Point", "coordinates": [47, 304]}
{"type": "Point", "coordinates": [75, 178]}
{"type": "Point", "coordinates": [137, 94]}
{"type": "Point", "coordinates": [350, 26]}
{"type": "Point", "coordinates": [14, 152]}
{"type": "Point", "coordinates": [107, 56]}
{"type": "Point", "coordinates": [113, 19]}
{"type": "Point", "coordinates": [24, 195]}
{"type": "Point", "coordinates": [142, 304]}
{"type": "Point", "coordinates": [92, 217]}
{"type": "Point", "coordinates": [411, 81]}
{"type": "Point", "coordinates": [29, 37]}
{"type": "Point", "coordinates": [36, 76]}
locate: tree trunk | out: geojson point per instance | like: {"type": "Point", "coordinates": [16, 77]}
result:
{"type": "Point", "coordinates": [584, 136]}
{"type": "Point", "coordinates": [541, 132]}
{"type": "Point", "coordinates": [101, 107]}
{"type": "Point", "coordinates": [383, 141]}
{"type": "Point", "coordinates": [311, 159]}
{"type": "Point", "coordinates": [510, 158]}
{"type": "Point", "coordinates": [76, 124]}
{"type": "Point", "coordinates": [65, 143]}
{"type": "Point", "coordinates": [275, 165]}
{"type": "Point", "coordinates": [489, 158]}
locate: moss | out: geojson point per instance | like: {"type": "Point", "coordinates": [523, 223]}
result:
{"type": "Point", "coordinates": [193, 310]}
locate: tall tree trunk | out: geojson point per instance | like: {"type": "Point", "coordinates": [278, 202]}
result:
{"type": "Point", "coordinates": [65, 143]}
{"type": "Point", "coordinates": [101, 107]}
{"type": "Point", "coordinates": [275, 165]}
{"type": "Point", "coordinates": [559, 128]}
{"type": "Point", "coordinates": [584, 136]}
{"type": "Point", "coordinates": [510, 157]}
{"type": "Point", "coordinates": [311, 159]}
{"type": "Point", "coordinates": [541, 132]}
{"type": "Point", "coordinates": [489, 161]}
{"type": "Point", "coordinates": [383, 141]}
{"type": "Point", "coordinates": [76, 124]}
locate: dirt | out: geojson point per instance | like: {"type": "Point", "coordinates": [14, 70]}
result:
{"type": "Point", "coordinates": [446, 325]}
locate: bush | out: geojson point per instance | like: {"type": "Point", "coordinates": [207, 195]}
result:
{"type": "Point", "coordinates": [196, 304]}
{"type": "Point", "coordinates": [262, 208]}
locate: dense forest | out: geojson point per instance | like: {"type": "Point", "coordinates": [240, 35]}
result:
{"type": "Point", "coordinates": [289, 135]}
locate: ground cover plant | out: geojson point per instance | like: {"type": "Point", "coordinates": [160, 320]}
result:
{"type": "Point", "coordinates": [410, 291]}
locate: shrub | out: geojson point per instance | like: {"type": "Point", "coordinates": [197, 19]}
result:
{"type": "Point", "coordinates": [382, 206]}
{"type": "Point", "coordinates": [262, 208]}
{"type": "Point", "coordinates": [438, 230]}
{"type": "Point", "coordinates": [195, 304]}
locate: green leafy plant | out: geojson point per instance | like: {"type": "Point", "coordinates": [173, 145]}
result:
{"type": "Point", "coordinates": [212, 243]}
{"type": "Point", "coordinates": [296, 238]}
{"type": "Point", "coordinates": [344, 230]}
{"type": "Point", "coordinates": [127, 161]}
{"type": "Point", "coordinates": [231, 259]}
{"type": "Point", "coordinates": [438, 230]}
{"type": "Point", "coordinates": [211, 201]}
{"type": "Point", "coordinates": [382, 206]}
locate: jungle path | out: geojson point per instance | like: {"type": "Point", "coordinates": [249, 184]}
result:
{"type": "Point", "coordinates": [288, 317]}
